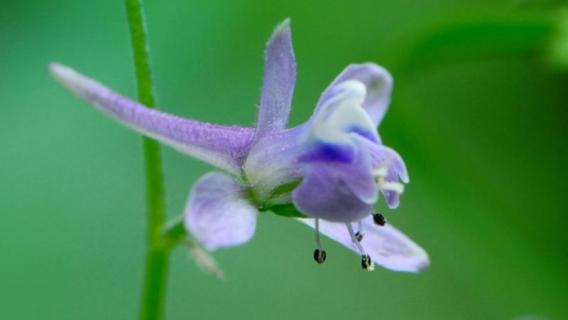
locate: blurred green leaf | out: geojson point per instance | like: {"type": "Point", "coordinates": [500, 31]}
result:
{"type": "Point", "coordinates": [559, 41]}
{"type": "Point", "coordinates": [474, 40]}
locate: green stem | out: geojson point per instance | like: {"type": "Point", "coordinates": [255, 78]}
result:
{"type": "Point", "coordinates": [155, 280]}
{"type": "Point", "coordinates": [157, 252]}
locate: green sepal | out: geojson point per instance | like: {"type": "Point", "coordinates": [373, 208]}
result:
{"type": "Point", "coordinates": [285, 188]}
{"type": "Point", "coordinates": [285, 210]}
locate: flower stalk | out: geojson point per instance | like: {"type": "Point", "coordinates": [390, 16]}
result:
{"type": "Point", "coordinates": [157, 253]}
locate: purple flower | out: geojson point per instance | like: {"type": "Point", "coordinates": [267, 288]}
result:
{"type": "Point", "coordinates": [327, 173]}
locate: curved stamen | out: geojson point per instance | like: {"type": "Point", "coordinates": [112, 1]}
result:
{"type": "Point", "coordinates": [380, 175]}
{"type": "Point", "coordinates": [319, 253]}
{"type": "Point", "coordinates": [359, 234]}
{"type": "Point", "coordinates": [390, 186]}
{"type": "Point", "coordinates": [366, 262]}
{"type": "Point", "coordinates": [380, 172]}
{"type": "Point", "coordinates": [379, 219]}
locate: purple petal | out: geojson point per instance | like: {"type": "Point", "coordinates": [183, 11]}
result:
{"type": "Point", "coordinates": [221, 146]}
{"type": "Point", "coordinates": [386, 245]}
{"type": "Point", "coordinates": [384, 156]}
{"type": "Point", "coordinates": [279, 80]}
{"type": "Point", "coordinates": [217, 214]}
{"type": "Point", "coordinates": [328, 192]}
{"type": "Point", "coordinates": [272, 161]}
{"type": "Point", "coordinates": [376, 79]}
{"type": "Point", "coordinates": [359, 178]}
{"type": "Point", "coordinates": [329, 152]}
{"type": "Point", "coordinates": [392, 198]}
{"type": "Point", "coordinates": [353, 168]}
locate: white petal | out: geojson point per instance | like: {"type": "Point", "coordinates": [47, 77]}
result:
{"type": "Point", "coordinates": [342, 113]}
{"type": "Point", "coordinates": [378, 82]}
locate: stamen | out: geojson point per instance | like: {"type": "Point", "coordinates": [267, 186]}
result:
{"type": "Point", "coordinates": [379, 219]}
{"type": "Point", "coordinates": [359, 234]}
{"type": "Point", "coordinates": [366, 262]}
{"type": "Point", "coordinates": [380, 172]}
{"type": "Point", "coordinates": [391, 186]}
{"type": "Point", "coordinates": [319, 254]}
{"type": "Point", "coordinates": [354, 238]}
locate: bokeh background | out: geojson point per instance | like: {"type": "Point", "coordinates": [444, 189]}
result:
{"type": "Point", "coordinates": [479, 114]}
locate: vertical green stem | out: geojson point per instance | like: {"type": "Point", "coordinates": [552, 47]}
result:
{"type": "Point", "coordinates": [157, 253]}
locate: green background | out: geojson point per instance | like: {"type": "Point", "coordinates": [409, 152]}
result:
{"type": "Point", "coordinates": [478, 113]}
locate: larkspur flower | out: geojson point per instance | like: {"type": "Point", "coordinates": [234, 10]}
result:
{"type": "Point", "coordinates": [326, 173]}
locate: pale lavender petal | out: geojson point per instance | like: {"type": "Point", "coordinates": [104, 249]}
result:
{"type": "Point", "coordinates": [392, 198]}
{"type": "Point", "coordinates": [324, 193]}
{"type": "Point", "coordinates": [273, 161]}
{"type": "Point", "coordinates": [351, 167]}
{"type": "Point", "coordinates": [279, 80]}
{"type": "Point", "coordinates": [397, 171]}
{"type": "Point", "coordinates": [384, 156]}
{"type": "Point", "coordinates": [221, 146]}
{"type": "Point", "coordinates": [217, 213]}
{"type": "Point", "coordinates": [359, 179]}
{"type": "Point", "coordinates": [386, 245]}
{"type": "Point", "coordinates": [376, 79]}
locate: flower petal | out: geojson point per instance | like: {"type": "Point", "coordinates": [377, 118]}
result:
{"type": "Point", "coordinates": [383, 156]}
{"type": "Point", "coordinates": [376, 79]}
{"type": "Point", "coordinates": [272, 161]}
{"type": "Point", "coordinates": [386, 245]}
{"type": "Point", "coordinates": [221, 146]}
{"type": "Point", "coordinates": [354, 169]}
{"type": "Point", "coordinates": [391, 197]}
{"type": "Point", "coordinates": [326, 192]}
{"type": "Point", "coordinates": [279, 80]}
{"type": "Point", "coordinates": [217, 214]}
{"type": "Point", "coordinates": [342, 113]}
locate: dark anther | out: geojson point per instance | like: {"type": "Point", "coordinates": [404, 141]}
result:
{"type": "Point", "coordinates": [319, 256]}
{"type": "Point", "coordinates": [366, 263]}
{"type": "Point", "coordinates": [358, 236]}
{"type": "Point", "coordinates": [379, 219]}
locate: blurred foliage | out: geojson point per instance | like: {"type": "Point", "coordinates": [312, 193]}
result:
{"type": "Point", "coordinates": [478, 113]}
{"type": "Point", "coordinates": [559, 42]}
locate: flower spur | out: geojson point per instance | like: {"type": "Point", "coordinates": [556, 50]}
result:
{"type": "Point", "coordinates": [326, 173]}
